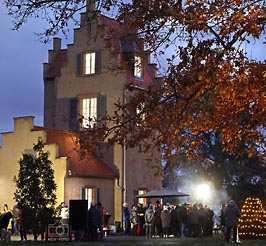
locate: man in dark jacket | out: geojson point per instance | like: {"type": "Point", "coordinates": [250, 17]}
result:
{"type": "Point", "coordinates": [183, 217]}
{"type": "Point", "coordinates": [231, 214]}
{"type": "Point", "coordinates": [94, 219]}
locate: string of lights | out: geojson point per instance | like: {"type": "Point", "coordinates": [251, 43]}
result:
{"type": "Point", "coordinates": [252, 222]}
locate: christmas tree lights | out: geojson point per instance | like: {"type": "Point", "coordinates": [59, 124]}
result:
{"type": "Point", "coordinates": [252, 222]}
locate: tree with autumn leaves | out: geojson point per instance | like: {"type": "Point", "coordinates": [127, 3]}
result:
{"type": "Point", "coordinates": [210, 84]}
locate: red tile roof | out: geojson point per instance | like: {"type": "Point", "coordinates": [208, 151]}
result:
{"type": "Point", "coordinates": [90, 166]}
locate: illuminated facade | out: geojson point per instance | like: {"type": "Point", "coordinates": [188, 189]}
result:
{"type": "Point", "coordinates": [87, 79]}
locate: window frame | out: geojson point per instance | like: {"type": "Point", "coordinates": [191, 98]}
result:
{"type": "Point", "coordinates": [91, 198]}
{"type": "Point", "coordinates": [86, 123]}
{"type": "Point", "coordinates": [142, 200]}
{"type": "Point", "coordinates": [89, 64]}
{"type": "Point", "coordinates": [138, 67]}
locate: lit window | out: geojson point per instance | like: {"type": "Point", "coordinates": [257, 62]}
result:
{"type": "Point", "coordinates": [89, 195]}
{"type": "Point", "coordinates": [142, 200]}
{"type": "Point", "coordinates": [138, 70]}
{"type": "Point", "coordinates": [89, 111]}
{"type": "Point", "coordinates": [89, 63]}
{"type": "Point", "coordinates": [140, 112]}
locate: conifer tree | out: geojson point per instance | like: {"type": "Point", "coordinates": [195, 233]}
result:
{"type": "Point", "coordinates": [35, 181]}
{"type": "Point", "coordinates": [252, 222]}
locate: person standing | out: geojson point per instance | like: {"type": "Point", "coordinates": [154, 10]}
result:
{"type": "Point", "coordinates": [183, 217]}
{"type": "Point", "coordinates": [149, 217]}
{"type": "Point", "coordinates": [166, 219]}
{"type": "Point", "coordinates": [157, 219]}
{"type": "Point", "coordinates": [222, 220]}
{"type": "Point", "coordinates": [231, 214]}
{"type": "Point", "coordinates": [126, 218]}
{"type": "Point", "coordinates": [64, 213]}
{"type": "Point", "coordinates": [24, 221]}
{"type": "Point", "coordinates": [100, 207]}
{"type": "Point", "coordinates": [134, 219]}
{"type": "Point", "coordinates": [16, 213]}
{"type": "Point", "coordinates": [94, 219]}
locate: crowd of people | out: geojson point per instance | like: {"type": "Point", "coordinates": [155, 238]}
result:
{"type": "Point", "coordinates": [21, 220]}
{"type": "Point", "coordinates": [153, 220]}
{"type": "Point", "coordinates": [183, 220]}
{"type": "Point", "coordinates": [157, 220]}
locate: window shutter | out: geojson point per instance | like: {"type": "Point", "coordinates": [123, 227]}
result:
{"type": "Point", "coordinates": [73, 125]}
{"type": "Point", "coordinates": [98, 195]}
{"type": "Point", "coordinates": [82, 193]}
{"type": "Point", "coordinates": [79, 65]}
{"type": "Point", "coordinates": [101, 108]}
{"type": "Point", "coordinates": [98, 62]}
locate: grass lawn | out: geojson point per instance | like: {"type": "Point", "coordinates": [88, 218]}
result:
{"type": "Point", "coordinates": [142, 241]}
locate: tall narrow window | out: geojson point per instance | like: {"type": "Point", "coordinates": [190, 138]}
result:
{"type": "Point", "coordinates": [90, 195]}
{"type": "Point", "coordinates": [89, 111]}
{"type": "Point", "coordinates": [138, 69]}
{"type": "Point", "coordinates": [139, 111]}
{"type": "Point", "coordinates": [89, 63]}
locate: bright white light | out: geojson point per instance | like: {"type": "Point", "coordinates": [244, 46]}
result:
{"type": "Point", "coordinates": [203, 191]}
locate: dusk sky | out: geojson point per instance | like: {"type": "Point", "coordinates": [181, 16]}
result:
{"type": "Point", "coordinates": [21, 65]}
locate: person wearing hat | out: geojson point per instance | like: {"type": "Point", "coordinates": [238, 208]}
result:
{"type": "Point", "coordinates": [231, 214]}
{"type": "Point", "coordinates": [126, 218]}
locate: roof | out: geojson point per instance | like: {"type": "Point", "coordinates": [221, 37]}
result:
{"type": "Point", "coordinates": [90, 166]}
{"type": "Point", "coordinates": [163, 193]}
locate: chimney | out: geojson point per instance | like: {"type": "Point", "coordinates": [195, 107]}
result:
{"type": "Point", "coordinates": [57, 44]}
{"type": "Point", "coordinates": [90, 6]}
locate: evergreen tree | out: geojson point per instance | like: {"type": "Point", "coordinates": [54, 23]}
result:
{"type": "Point", "coordinates": [252, 222]}
{"type": "Point", "coordinates": [35, 184]}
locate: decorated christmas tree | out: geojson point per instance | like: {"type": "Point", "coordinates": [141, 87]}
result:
{"type": "Point", "coordinates": [252, 222]}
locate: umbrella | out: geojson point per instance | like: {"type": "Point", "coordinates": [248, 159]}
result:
{"type": "Point", "coordinates": [162, 193]}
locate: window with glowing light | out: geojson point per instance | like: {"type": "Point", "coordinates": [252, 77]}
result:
{"type": "Point", "coordinates": [89, 111]}
{"type": "Point", "coordinates": [142, 200]}
{"type": "Point", "coordinates": [139, 112]}
{"type": "Point", "coordinates": [90, 195]}
{"type": "Point", "coordinates": [89, 63]}
{"type": "Point", "coordinates": [138, 67]}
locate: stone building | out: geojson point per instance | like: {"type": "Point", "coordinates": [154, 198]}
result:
{"type": "Point", "coordinates": [87, 78]}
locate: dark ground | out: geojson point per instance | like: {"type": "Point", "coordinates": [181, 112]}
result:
{"type": "Point", "coordinates": [120, 240]}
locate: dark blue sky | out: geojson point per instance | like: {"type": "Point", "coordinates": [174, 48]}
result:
{"type": "Point", "coordinates": [21, 65]}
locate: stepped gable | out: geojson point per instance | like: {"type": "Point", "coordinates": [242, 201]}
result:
{"type": "Point", "coordinates": [55, 65]}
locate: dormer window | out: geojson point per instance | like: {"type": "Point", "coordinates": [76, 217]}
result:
{"type": "Point", "coordinates": [138, 67]}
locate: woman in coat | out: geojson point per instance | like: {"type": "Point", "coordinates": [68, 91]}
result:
{"type": "Point", "coordinates": [149, 221]}
{"type": "Point", "coordinates": [166, 220]}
